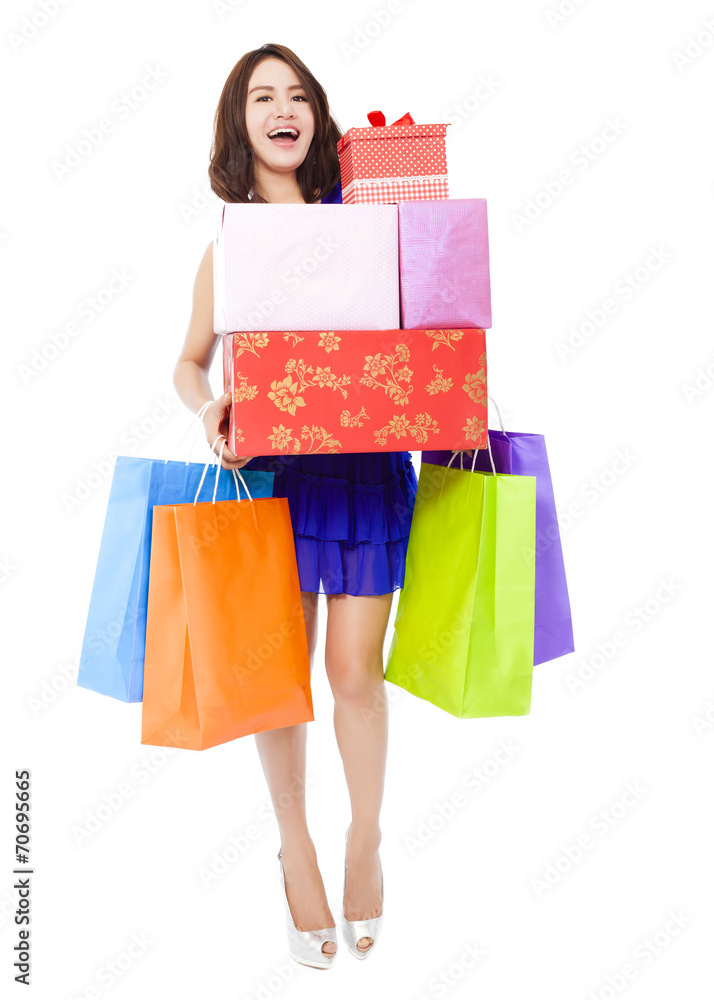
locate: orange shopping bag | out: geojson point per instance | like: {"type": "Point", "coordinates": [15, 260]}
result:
{"type": "Point", "coordinates": [226, 647]}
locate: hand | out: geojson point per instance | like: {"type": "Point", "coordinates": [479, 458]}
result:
{"type": "Point", "coordinates": [215, 421]}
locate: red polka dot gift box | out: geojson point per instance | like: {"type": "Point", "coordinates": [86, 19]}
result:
{"type": "Point", "coordinates": [383, 164]}
{"type": "Point", "coordinates": [355, 390]}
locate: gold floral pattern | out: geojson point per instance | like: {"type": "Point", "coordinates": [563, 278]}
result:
{"type": "Point", "coordinates": [346, 420]}
{"type": "Point", "coordinates": [247, 341]}
{"type": "Point", "coordinates": [320, 440]}
{"type": "Point", "coordinates": [379, 364]}
{"type": "Point", "coordinates": [281, 437]}
{"type": "Point", "coordinates": [399, 426]}
{"type": "Point", "coordinates": [475, 385]}
{"type": "Point", "coordinates": [474, 428]}
{"type": "Point", "coordinates": [444, 337]}
{"type": "Point", "coordinates": [295, 336]}
{"type": "Point", "coordinates": [285, 393]}
{"type": "Point", "coordinates": [439, 383]}
{"type": "Point", "coordinates": [244, 391]}
{"type": "Point", "coordinates": [329, 340]}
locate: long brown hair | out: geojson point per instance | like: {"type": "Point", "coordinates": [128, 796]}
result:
{"type": "Point", "coordinates": [231, 168]}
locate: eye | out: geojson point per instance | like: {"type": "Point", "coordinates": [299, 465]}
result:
{"type": "Point", "coordinates": [267, 97]}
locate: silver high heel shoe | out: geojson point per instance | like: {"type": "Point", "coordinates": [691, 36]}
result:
{"type": "Point", "coordinates": [353, 930]}
{"type": "Point", "coordinates": [306, 946]}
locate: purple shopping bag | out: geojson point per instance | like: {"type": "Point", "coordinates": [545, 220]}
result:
{"type": "Point", "coordinates": [520, 454]}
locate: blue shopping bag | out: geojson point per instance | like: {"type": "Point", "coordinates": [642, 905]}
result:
{"type": "Point", "coordinates": [112, 657]}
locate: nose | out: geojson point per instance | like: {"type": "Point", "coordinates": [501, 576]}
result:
{"type": "Point", "coordinates": [284, 109]}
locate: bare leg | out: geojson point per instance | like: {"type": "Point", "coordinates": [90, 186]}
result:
{"type": "Point", "coordinates": [356, 627]}
{"type": "Point", "coordinates": [282, 753]}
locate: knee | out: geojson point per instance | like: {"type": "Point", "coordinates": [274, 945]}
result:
{"type": "Point", "coordinates": [353, 680]}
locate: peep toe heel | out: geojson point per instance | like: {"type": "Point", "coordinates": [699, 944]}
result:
{"type": "Point", "coordinates": [353, 930]}
{"type": "Point", "coordinates": [306, 946]}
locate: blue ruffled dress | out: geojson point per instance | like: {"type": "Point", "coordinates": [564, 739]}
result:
{"type": "Point", "coordinates": [351, 513]}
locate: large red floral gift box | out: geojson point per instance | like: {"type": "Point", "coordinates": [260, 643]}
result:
{"type": "Point", "coordinates": [301, 267]}
{"type": "Point", "coordinates": [390, 163]}
{"type": "Point", "coordinates": [355, 390]}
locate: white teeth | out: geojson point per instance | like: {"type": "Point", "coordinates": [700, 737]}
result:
{"type": "Point", "coordinates": [287, 131]}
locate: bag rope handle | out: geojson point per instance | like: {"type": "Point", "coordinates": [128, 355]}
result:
{"type": "Point", "coordinates": [500, 418]}
{"type": "Point", "coordinates": [218, 472]}
{"type": "Point", "coordinates": [488, 443]}
{"type": "Point", "coordinates": [194, 420]}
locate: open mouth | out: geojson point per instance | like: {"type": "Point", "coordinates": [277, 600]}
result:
{"type": "Point", "coordinates": [287, 134]}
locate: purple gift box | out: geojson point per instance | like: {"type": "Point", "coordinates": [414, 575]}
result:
{"type": "Point", "coordinates": [444, 274]}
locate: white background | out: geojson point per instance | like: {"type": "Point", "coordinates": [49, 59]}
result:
{"type": "Point", "coordinates": [625, 526]}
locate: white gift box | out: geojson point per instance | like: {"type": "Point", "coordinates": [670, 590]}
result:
{"type": "Point", "coordinates": [306, 267]}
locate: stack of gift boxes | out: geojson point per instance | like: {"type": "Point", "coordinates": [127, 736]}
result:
{"type": "Point", "coordinates": [358, 330]}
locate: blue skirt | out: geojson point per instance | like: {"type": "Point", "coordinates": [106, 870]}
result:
{"type": "Point", "coordinates": [351, 515]}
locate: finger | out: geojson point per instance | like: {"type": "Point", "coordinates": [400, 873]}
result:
{"type": "Point", "coordinates": [230, 466]}
{"type": "Point", "coordinates": [228, 455]}
{"type": "Point", "coordinates": [220, 444]}
{"type": "Point", "coordinates": [231, 461]}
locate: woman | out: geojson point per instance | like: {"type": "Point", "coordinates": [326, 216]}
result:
{"type": "Point", "coordinates": [269, 89]}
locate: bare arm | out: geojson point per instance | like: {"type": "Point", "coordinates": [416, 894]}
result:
{"type": "Point", "coordinates": [194, 363]}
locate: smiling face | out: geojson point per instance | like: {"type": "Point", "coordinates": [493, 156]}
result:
{"type": "Point", "coordinates": [277, 100]}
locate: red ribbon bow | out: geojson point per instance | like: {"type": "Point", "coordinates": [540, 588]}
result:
{"type": "Point", "coordinates": [377, 118]}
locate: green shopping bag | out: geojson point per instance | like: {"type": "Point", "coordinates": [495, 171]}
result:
{"type": "Point", "coordinates": [463, 631]}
